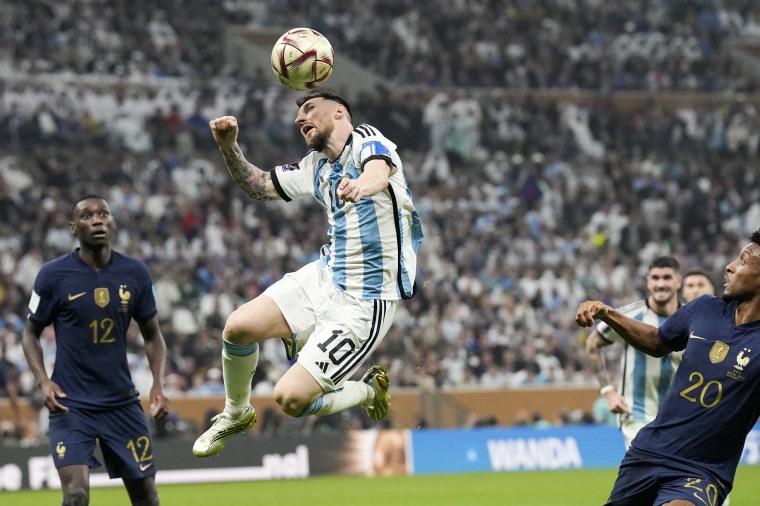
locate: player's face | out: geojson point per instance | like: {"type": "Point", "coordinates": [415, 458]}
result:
{"type": "Point", "coordinates": [663, 284]}
{"type": "Point", "coordinates": [315, 119]}
{"type": "Point", "coordinates": [93, 223]}
{"type": "Point", "coordinates": [695, 286]}
{"type": "Point", "coordinates": [743, 275]}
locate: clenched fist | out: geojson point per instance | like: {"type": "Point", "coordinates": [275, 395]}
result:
{"type": "Point", "coordinates": [590, 310]}
{"type": "Point", "coordinates": [225, 131]}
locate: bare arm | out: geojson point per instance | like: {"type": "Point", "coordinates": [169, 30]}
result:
{"type": "Point", "coordinates": [155, 351]}
{"type": "Point", "coordinates": [30, 342]}
{"type": "Point", "coordinates": [640, 335]}
{"type": "Point", "coordinates": [373, 179]}
{"type": "Point", "coordinates": [595, 343]}
{"type": "Point", "coordinates": [255, 182]}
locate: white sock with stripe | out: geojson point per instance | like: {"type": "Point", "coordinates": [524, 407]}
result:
{"type": "Point", "coordinates": [352, 394]}
{"type": "Point", "coordinates": [239, 362]}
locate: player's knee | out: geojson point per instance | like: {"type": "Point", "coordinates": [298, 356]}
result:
{"type": "Point", "coordinates": [291, 404]}
{"type": "Point", "coordinates": [76, 496]}
{"type": "Point", "coordinates": [237, 329]}
{"type": "Point", "coordinates": [152, 499]}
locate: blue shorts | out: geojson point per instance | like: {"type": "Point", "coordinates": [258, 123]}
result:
{"type": "Point", "coordinates": [122, 433]}
{"type": "Point", "coordinates": [647, 480]}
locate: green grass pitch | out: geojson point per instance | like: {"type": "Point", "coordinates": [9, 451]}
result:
{"type": "Point", "coordinates": [547, 488]}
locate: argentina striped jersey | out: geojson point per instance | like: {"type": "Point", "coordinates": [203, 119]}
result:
{"type": "Point", "coordinates": [645, 379]}
{"type": "Point", "coordinates": [373, 243]}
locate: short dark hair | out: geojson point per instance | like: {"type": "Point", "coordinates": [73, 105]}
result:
{"type": "Point", "coordinates": [87, 197]}
{"type": "Point", "coordinates": [755, 237]}
{"type": "Point", "coordinates": [664, 263]}
{"type": "Point", "coordinates": [698, 272]}
{"type": "Point", "coordinates": [326, 94]}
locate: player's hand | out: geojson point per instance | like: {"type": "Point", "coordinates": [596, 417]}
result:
{"type": "Point", "coordinates": [159, 403]}
{"type": "Point", "coordinates": [590, 310]}
{"type": "Point", "coordinates": [51, 392]}
{"type": "Point", "coordinates": [616, 403]}
{"type": "Point", "coordinates": [349, 190]}
{"type": "Point", "coordinates": [225, 131]}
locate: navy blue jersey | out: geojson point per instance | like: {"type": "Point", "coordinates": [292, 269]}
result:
{"type": "Point", "coordinates": [714, 400]}
{"type": "Point", "coordinates": [91, 312]}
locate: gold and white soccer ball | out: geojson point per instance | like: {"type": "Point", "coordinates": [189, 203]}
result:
{"type": "Point", "coordinates": [302, 59]}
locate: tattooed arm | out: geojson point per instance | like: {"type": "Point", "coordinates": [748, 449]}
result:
{"type": "Point", "coordinates": [595, 345]}
{"type": "Point", "coordinates": [254, 181]}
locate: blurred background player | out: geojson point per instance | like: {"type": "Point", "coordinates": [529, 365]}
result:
{"type": "Point", "coordinates": [90, 296]}
{"type": "Point", "coordinates": [696, 283]}
{"type": "Point", "coordinates": [335, 311]}
{"type": "Point", "coordinates": [644, 380]}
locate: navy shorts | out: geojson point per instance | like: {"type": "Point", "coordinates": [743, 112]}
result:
{"type": "Point", "coordinates": [644, 480]}
{"type": "Point", "coordinates": [122, 433]}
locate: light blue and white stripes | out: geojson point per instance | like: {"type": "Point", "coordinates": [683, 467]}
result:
{"type": "Point", "coordinates": [645, 379]}
{"type": "Point", "coordinates": [373, 243]}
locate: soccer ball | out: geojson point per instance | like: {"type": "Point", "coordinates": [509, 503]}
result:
{"type": "Point", "coordinates": [302, 59]}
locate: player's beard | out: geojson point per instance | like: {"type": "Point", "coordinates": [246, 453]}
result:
{"type": "Point", "coordinates": [320, 139]}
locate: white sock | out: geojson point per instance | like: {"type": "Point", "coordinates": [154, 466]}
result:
{"type": "Point", "coordinates": [239, 362]}
{"type": "Point", "coordinates": [352, 394]}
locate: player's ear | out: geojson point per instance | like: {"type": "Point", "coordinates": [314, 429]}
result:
{"type": "Point", "coordinates": [73, 229]}
{"type": "Point", "coordinates": [341, 112]}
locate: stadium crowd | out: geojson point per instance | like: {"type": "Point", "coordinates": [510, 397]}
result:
{"type": "Point", "coordinates": [529, 205]}
{"type": "Point", "coordinates": [589, 44]}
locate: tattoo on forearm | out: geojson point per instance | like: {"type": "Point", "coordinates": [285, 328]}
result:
{"type": "Point", "coordinates": [598, 366]}
{"type": "Point", "coordinates": [253, 181]}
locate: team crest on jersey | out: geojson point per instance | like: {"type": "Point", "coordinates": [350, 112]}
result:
{"type": "Point", "coordinates": [60, 450]}
{"type": "Point", "coordinates": [102, 297]}
{"type": "Point", "coordinates": [742, 360]}
{"type": "Point", "coordinates": [718, 352]}
{"type": "Point", "coordinates": [124, 295]}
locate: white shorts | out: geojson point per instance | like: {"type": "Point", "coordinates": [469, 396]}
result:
{"type": "Point", "coordinates": [333, 332]}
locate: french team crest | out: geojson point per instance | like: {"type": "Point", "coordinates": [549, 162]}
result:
{"type": "Point", "coordinates": [742, 360]}
{"type": "Point", "coordinates": [718, 352]}
{"type": "Point", "coordinates": [102, 297]}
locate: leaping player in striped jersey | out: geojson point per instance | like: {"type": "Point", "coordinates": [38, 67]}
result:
{"type": "Point", "coordinates": [334, 312]}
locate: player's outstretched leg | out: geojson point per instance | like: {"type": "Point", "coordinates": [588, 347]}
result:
{"type": "Point", "coordinates": [224, 427]}
{"type": "Point", "coordinates": [377, 378]}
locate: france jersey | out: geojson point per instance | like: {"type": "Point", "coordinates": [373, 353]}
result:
{"type": "Point", "coordinates": [91, 312]}
{"type": "Point", "coordinates": [645, 380]}
{"type": "Point", "coordinates": [372, 252]}
{"type": "Point", "coordinates": [714, 400]}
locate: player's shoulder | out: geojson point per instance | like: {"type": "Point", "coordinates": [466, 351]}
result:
{"type": "Point", "coordinates": [126, 262]}
{"type": "Point", "coordinates": [368, 142]}
{"type": "Point", "coordinates": [710, 304]}
{"type": "Point", "coordinates": [310, 159]}
{"type": "Point", "coordinates": [366, 131]}
{"type": "Point", "coordinates": [62, 264]}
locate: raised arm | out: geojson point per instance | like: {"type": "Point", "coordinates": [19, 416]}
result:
{"type": "Point", "coordinates": [640, 335]}
{"type": "Point", "coordinates": [255, 182]}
